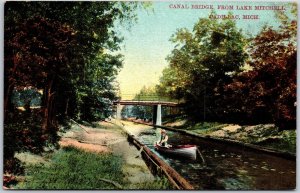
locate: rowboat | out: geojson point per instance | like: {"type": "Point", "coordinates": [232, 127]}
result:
{"type": "Point", "coordinates": [186, 151]}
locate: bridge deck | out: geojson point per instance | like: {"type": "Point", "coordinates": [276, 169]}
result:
{"type": "Point", "coordinates": [145, 103]}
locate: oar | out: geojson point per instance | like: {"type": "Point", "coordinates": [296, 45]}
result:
{"type": "Point", "coordinates": [199, 152]}
{"type": "Point", "coordinates": [142, 148]}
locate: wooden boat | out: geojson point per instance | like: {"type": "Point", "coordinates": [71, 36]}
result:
{"type": "Point", "coordinates": [186, 151]}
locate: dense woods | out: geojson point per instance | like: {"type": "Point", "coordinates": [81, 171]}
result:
{"type": "Point", "coordinates": [224, 75]}
{"type": "Point", "coordinates": [64, 53]}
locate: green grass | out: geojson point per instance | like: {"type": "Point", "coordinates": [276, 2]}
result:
{"type": "Point", "coordinates": [172, 119]}
{"type": "Point", "coordinates": [264, 136]}
{"type": "Point", "coordinates": [74, 169]}
{"type": "Point", "coordinates": [287, 143]}
{"type": "Point", "coordinates": [205, 127]}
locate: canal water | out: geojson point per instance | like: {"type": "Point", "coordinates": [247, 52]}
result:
{"type": "Point", "coordinates": [227, 167]}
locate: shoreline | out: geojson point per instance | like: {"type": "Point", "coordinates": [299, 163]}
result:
{"type": "Point", "coordinates": [102, 140]}
{"type": "Point", "coordinates": [276, 152]}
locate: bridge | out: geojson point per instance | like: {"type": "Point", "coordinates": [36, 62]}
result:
{"type": "Point", "coordinates": [146, 103]}
{"type": "Point", "coordinates": [157, 104]}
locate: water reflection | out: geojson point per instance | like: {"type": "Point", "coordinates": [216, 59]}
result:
{"type": "Point", "coordinates": [227, 167]}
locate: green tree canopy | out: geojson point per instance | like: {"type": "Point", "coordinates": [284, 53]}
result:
{"type": "Point", "coordinates": [201, 62]}
{"type": "Point", "coordinates": [66, 49]}
{"type": "Point", "coordinates": [267, 93]}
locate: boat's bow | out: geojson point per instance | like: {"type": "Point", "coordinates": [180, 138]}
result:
{"type": "Point", "coordinates": [188, 151]}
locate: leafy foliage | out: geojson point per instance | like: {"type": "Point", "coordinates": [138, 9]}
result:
{"type": "Point", "coordinates": [24, 133]}
{"type": "Point", "coordinates": [28, 96]}
{"type": "Point", "coordinates": [66, 50]}
{"type": "Point", "coordinates": [267, 93]}
{"type": "Point", "coordinates": [138, 111]}
{"type": "Point", "coordinates": [202, 61]}
{"type": "Point", "coordinates": [224, 76]}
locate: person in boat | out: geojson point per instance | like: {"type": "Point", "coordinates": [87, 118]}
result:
{"type": "Point", "coordinates": [163, 139]}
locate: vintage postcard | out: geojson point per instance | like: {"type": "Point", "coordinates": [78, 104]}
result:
{"type": "Point", "coordinates": [156, 95]}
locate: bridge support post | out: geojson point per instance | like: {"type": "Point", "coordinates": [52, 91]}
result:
{"type": "Point", "coordinates": [119, 108]}
{"type": "Point", "coordinates": [157, 114]}
{"type": "Point", "coordinates": [154, 114]}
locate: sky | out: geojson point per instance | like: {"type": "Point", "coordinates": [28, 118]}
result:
{"type": "Point", "coordinates": [147, 44]}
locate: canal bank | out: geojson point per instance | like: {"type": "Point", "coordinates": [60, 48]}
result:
{"type": "Point", "coordinates": [226, 140]}
{"type": "Point", "coordinates": [157, 166]}
{"type": "Point", "coordinates": [135, 172]}
{"type": "Point", "coordinates": [105, 143]}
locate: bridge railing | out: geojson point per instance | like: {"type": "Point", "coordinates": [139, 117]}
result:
{"type": "Point", "coordinates": [148, 98]}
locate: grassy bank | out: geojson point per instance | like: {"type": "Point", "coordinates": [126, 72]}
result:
{"type": "Point", "coordinates": [73, 169]}
{"type": "Point", "coordinates": [265, 135]}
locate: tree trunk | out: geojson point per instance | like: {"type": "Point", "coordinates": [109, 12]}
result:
{"type": "Point", "coordinates": [9, 80]}
{"type": "Point", "coordinates": [7, 100]}
{"type": "Point", "coordinates": [47, 105]}
{"type": "Point", "coordinates": [67, 106]}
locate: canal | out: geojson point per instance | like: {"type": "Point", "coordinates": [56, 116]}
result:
{"type": "Point", "coordinates": [226, 167]}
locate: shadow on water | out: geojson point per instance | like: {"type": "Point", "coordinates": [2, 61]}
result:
{"type": "Point", "coordinates": [227, 167]}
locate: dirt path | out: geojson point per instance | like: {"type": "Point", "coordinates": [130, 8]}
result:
{"type": "Point", "coordinates": [109, 137]}
{"type": "Point", "coordinates": [92, 139]}
{"type": "Point", "coordinates": [134, 128]}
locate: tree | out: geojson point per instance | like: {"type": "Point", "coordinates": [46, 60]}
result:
{"type": "Point", "coordinates": [97, 91]}
{"type": "Point", "coordinates": [66, 50]}
{"type": "Point", "coordinates": [201, 63]}
{"type": "Point", "coordinates": [93, 32]}
{"type": "Point", "coordinates": [269, 90]}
